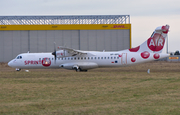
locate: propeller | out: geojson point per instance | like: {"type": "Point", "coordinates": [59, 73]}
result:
{"type": "Point", "coordinates": [54, 53]}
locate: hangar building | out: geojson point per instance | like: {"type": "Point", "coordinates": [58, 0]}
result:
{"type": "Point", "coordinates": [20, 34]}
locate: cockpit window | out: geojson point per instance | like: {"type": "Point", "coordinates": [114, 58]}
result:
{"type": "Point", "coordinates": [19, 57]}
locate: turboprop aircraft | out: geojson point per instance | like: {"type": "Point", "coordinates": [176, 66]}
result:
{"type": "Point", "coordinates": [79, 60]}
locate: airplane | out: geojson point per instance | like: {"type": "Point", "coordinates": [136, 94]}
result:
{"type": "Point", "coordinates": [79, 60]}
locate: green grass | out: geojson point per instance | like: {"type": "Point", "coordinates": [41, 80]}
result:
{"type": "Point", "coordinates": [128, 90]}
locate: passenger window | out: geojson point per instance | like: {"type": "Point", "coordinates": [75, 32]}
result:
{"type": "Point", "coordinates": [114, 57]}
{"type": "Point", "coordinates": [84, 57]}
{"type": "Point", "coordinates": [108, 57]}
{"type": "Point", "coordinates": [111, 57]}
{"type": "Point", "coordinates": [91, 57]}
{"type": "Point", "coordinates": [94, 57]}
{"type": "Point", "coordinates": [98, 57]}
{"type": "Point", "coordinates": [104, 57]}
{"type": "Point", "coordinates": [88, 57]}
{"type": "Point", "coordinates": [101, 57]}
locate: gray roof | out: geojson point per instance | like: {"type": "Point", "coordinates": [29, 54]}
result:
{"type": "Point", "coordinates": [74, 19]}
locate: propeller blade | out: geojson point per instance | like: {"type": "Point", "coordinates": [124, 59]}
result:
{"type": "Point", "coordinates": [54, 53]}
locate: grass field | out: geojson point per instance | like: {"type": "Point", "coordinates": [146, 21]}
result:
{"type": "Point", "coordinates": [104, 91]}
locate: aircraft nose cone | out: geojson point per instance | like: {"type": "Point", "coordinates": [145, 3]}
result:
{"type": "Point", "coordinates": [10, 63]}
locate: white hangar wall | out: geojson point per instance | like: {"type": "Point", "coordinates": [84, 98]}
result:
{"type": "Point", "coordinates": [16, 39]}
{"type": "Point", "coordinates": [11, 43]}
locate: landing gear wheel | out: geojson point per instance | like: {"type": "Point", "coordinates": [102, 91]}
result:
{"type": "Point", "coordinates": [18, 69]}
{"type": "Point", "coordinates": [78, 70]}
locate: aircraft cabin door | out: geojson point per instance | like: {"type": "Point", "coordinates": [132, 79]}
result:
{"type": "Point", "coordinates": [124, 59]}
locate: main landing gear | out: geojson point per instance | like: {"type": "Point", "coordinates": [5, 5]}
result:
{"type": "Point", "coordinates": [78, 69]}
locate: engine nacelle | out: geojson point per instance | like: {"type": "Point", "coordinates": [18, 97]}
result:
{"type": "Point", "coordinates": [62, 53]}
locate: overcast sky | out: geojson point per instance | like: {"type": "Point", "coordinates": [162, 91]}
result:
{"type": "Point", "coordinates": [145, 15]}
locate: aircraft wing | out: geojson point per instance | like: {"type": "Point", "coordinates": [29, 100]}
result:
{"type": "Point", "coordinates": [71, 51]}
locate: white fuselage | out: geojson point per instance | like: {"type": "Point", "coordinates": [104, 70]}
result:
{"type": "Point", "coordinates": [89, 61]}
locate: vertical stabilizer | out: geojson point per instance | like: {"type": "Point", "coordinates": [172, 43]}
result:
{"type": "Point", "coordinates": [155, 43]}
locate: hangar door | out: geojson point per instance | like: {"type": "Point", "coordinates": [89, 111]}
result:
{"type": "Point", "coordinates": [109, 40]}
{"type": "Point", "coordinates": [96, 40]}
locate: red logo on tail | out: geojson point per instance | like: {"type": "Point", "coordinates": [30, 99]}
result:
{"type": "Point", "coordinates": [156, 43]}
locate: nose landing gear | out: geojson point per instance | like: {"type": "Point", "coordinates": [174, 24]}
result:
{"type": "Point", "coordinates": [18, 69]}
